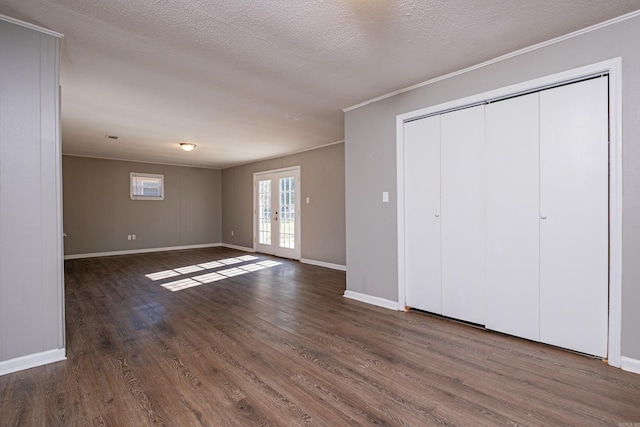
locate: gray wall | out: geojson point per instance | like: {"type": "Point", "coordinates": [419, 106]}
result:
{"type": "Point", "coordinates": [323, 219]}
{"type": "Point", "coordinates": [98, 213]}
{"type": "Point", "coordinates": [31, 309]}
{"type": "Point", "coordinates": [370, 153]}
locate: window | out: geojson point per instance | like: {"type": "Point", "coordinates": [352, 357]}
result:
{"type": "Point", "coordinates": [146, 186]}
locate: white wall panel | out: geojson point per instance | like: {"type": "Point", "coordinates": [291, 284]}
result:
{"type": "Point", "coordinates": [422, 214]}
{"type": "Point", "coordinates": [574, 208]}
{"type": "Point", "coordinates": [31, 294]}
{"type": "Point", "coordinates": [512, 220]}
{"type": "Point", "coordinates": [462, 216]}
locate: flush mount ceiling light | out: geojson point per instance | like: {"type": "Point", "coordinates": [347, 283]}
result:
{"type": "Point", "coordinates": [187, 146]}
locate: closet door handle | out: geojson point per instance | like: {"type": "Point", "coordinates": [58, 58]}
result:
{"type": "Point", "coordinates": [543, 216]}
{"type": "Point", "coordinates": [437, 214]}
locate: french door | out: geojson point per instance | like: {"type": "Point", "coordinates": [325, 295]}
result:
{"type": "Point", "coordinates": [277, 213]}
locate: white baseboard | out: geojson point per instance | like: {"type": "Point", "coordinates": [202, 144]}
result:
{"type": "Point", "coordinates": [629, 364]}
{"type": "Point", "coordinates": [324, 264]}
{"type": "Point", "coordinates": [239, 248]}
{"type": "Point", "coordinates": [380, 302]}
{"type": "Point", "coordinates": [141, 251]}
{"type": "Point", "coordinates": [32, 360]}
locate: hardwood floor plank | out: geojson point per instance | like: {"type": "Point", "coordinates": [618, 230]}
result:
{"type": "Point", "coordinates": [256, 340]}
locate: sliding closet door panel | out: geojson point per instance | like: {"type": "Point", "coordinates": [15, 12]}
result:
{"type": "Point", "coordinates": [422, 214]}
{"type": "Point", "coordinates": [512, 224]}
{"type": "Point", "coordinates": [462, 218]}
{"type": "Point", "coordinates": [574, 216]}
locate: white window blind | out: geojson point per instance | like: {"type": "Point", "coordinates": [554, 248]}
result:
{"type": "Point", "coordinates": [146, 186]}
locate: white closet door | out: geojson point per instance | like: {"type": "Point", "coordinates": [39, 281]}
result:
{"type": "Point", "coordinates": [512, 227]}
{"type": "Point", "coordinates": [574, 216]}
{"type": "Point", "coordinates": [422, 214]}
{"type": "Point", "coordinates": [462, 216]}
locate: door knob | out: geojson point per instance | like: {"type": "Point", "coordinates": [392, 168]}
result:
{"type": "Point", "coordinates": [437, 214]}
{"type": "Point", "coordinates": [543, 216]}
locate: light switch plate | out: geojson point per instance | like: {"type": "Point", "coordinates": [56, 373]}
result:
{"type": "Point", "coordinates": [385, 196]}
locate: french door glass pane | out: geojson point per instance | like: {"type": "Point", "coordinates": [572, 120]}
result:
{"type": "Point", "coordinates": [287, 213]}
{"type": "Point", "coordinates": [264, 212]}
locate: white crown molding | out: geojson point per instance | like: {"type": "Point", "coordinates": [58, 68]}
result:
{"type": "Point", "coordinates": [139, 161]}
{"type": "Point", "coordinates": [289, 154]}
{"type": "Point", "coordinates": [500, 58]}
{"type": "Point", "coordinates": [206, 167]}
{"type": "Point", "coordinates": [295, 168]}
{"type": "Point", "coordinates": [31, 26]}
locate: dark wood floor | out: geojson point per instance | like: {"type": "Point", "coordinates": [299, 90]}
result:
{"type": "Point", "coordinates": [266, 344]}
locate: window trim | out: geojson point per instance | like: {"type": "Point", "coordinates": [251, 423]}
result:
{"type": "Point", "coordinates": [132, 179]}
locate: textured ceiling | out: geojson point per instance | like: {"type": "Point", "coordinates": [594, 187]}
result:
{"type": "Point", "coordinates": [247, 80]}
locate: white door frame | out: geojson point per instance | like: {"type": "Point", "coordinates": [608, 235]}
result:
{"type": "Point", "coordinates": [298, 220]}
{"type": "Point", "coordinates": [613, 68]}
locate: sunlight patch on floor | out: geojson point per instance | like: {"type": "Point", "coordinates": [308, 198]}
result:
{"type": "Point", "coordinates": [252, 267]}
{"type": "Point", "coordinates": [208, 278]}
{"type": "Point", "coordinates": [189, 269]}
{"type": "Point", "coordinates": [199, 267]}
{"type": "Point", "coordinates": [201, 279]}
{"type": "Point", "coordinates": [181, 284]}
{"type": "Point", "coordinates": [212, 264]}
{"type": "Point", "coordinates": [162, 275]}
{"type": "Point", "coordinates": [268, 263]}
{"type": "Point", "coordinates": [233, 272]}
